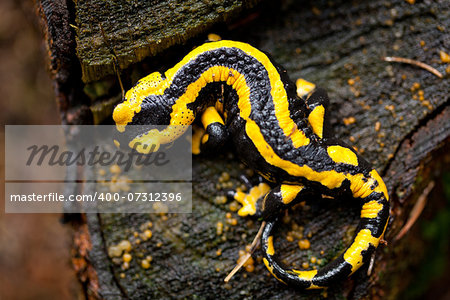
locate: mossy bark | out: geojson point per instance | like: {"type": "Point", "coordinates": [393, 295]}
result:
{"type": "Point", "coordinates": [375, 106]}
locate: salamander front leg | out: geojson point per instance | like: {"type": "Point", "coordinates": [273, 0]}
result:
{"type": "Point", "coordinates": [318, 103]}
{"type": "Point", "coordinates": [216, 133]}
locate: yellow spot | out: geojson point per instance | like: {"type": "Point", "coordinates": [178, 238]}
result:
{"type": "Point", "coordinates": [445, 57]}
{"type": "Point", "coordinates": [362, 241]}
{"type": "Point", "coordinates": [270, 268]}
{"type": "Point", "coordinates": [114, 251]}
{"type": "Point", "coordinates": [219, 228]}
{"type": "Point", "coordinates": [270, 249]}
{"type": "Point", "coordinates": [371, 209]}
{"type": "Point", "coordinates": [115, 169]}
{"type": "Point", "coordinates": [214, 37]}
{"type": "Point", "coordinates": [127, 257]}
{"type": "Point", "coordinates": [349, 120]}
{"type": "Point", "coordinates": [341, 154]}
{"type": "Point", "coordinates": [249, 261]}
{"type": "Point", "coordinates": [289, 192]}
{"type": "Point", "coordinates": [234, 206]}
{"type": "Point", "coordinates": [148, 233]}
{"type": "Point", "coordinates": [125, 245]}
{"type": "Point", "coordinates": [145, 264]}
{"type": "Point", "coordinates": [250, 268]}
{"type": "Point", "coordinates": [315, 119]}
{"type": "Point", "coordinates": [116, 143]}
{"type": "Point", "coordinates": [304, 87]}
{"type": "Point", "coordinates": [316, 11]}
{"type": "Point", "coordinates": [415, 86]}
{"type": "Point", "coordinates": [264, 188]}
{"type": "Point", "coordinates": [304, 244]}
{"type": "Point", "coordinates": [377, 126]}
{"type": "Point", "coordinates": [146, 143]}
{"type": "Point", "coordinates": [232, 221]}
{"type": "Point", "coordinates": [306, 275]}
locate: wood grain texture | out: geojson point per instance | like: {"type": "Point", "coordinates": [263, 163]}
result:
{"type": "Point", "coordinates": [133, 30]}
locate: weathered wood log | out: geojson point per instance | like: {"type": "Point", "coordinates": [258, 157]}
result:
{"type": "Point", "coordinates": [131, 31]}
{"type": "Point", "coordinates": [397, 115]}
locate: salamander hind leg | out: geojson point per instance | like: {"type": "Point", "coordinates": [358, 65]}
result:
{"type": "Point", "coordinates": [281, 198]}
{"type": "Point", "coordinates": [374, 219]}
{"type": "Point", "coordinates": [274, 201]}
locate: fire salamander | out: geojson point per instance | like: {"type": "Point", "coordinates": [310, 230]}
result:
{"type": "Point", "coordinates": [283, 137]}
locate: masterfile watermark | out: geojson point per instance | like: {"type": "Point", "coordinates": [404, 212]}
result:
{"type": "Point", "coordinates": [86, 169]}
{"type": "Point", "coordinates": [54, 155]}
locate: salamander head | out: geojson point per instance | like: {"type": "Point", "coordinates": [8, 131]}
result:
{"type": "Point", "coordinates": [144, 104]}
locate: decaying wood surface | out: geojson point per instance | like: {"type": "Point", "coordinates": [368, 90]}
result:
{"type": "Point", "coordinates": [397, 115]}
{"type": "Point", "coordinates": [129, 31]}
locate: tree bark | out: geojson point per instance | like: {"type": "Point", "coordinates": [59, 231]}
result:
{"type": "Point", "coordinates": [376, 106]}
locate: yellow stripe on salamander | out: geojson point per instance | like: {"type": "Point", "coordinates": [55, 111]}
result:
{"type": "Point", "coordinates": [308, 276]}
{"type": "Point", "coordinates": [270, 268]}
{"type": "Point", "coordinates": [124, 112]}
{"type": "Point", "coordinates": [270, 248]}
{"type": "Point", "coordinates": [371, 209]}
{"type": "Point", "coordinates": [362, 241]}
